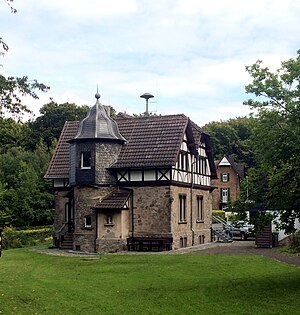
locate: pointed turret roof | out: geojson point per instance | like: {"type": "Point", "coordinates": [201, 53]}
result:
{"type": "Point", "coordinates": [98, 125]}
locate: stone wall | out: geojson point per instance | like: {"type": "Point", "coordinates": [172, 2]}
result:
{"type": "Point", "coordinates": [84, 199]}
{"type": "Point", "coordinates": [59, 214]}
{"type": "Point", "coordinates": [106, 155]}
{"type": "Point", "coordinates": [151, 211]}
{"type": "Point", "coordinates": [110, 245]}
{"type": "Point", "coordinates": [192, 232]}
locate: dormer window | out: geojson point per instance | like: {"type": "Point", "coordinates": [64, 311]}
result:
{"type": "Point", "coordinates": [85, 160]}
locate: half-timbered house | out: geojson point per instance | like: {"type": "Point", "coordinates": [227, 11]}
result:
{"type": "Point", "coordinates": [132, 183]}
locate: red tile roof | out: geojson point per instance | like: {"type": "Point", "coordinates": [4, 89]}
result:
{"type": "Point", "coordinates": [59, 164]}
{"type": "Point", "coordinates": [115, 200]}
{"type": "Point", "coordinates": [151, 142]}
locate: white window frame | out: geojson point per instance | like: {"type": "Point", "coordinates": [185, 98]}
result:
{"type": "Point", "coordinates": [182, 208]}
{"type": "Point", "coordinates": [224, 177]}
{"type": "Point", "coordinates": [86, 223]}
{"type": "Point", "coordinates": [200, 209]}
{"type": "Point", "coordinates": [109, 219]}
{"type": "Point", "coordinates": [83, 159]}
{"type": "Point", "coordinates": [225, 194]}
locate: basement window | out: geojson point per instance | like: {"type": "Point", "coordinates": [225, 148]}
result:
{"type": "Point", "coordinates": [183, 242]}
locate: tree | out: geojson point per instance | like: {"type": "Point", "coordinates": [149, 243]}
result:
{"type": "Point", "coordinates": [11, 134]}
{"type": "Point", "coordinates": [278, 134]}
{"type": "Point", "coordinates": [49, 125]}
{"type": "Point", "coordinates": [233, 137]}
{"type": "Point", "coordinates": [25, 198]}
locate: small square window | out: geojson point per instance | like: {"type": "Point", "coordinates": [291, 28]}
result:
{"type": "Point", "coordinates": [109, 219]}
{"type": "Point", "coordinates": [88, 221]}
{"type": "Point", "coordinates": [225, 177]}
{"type": "Point", "coordinates": [183, 242]}
{"type": "Point", "coordinates": [85, 161]}
{"type": "Point", "coordinates": [201, 239]}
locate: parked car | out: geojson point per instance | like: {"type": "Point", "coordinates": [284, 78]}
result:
{"type": "Point", "coordinates": [241, 229]}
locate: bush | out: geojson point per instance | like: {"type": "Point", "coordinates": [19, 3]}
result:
{"type": "Point", "coordinates": [219, 213]}
{"type": "Point", "coordinates": [12, 238]}
{"type": "Point", "coordinates": [295, 246]}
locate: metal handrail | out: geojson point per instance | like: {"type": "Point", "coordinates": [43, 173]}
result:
{"type": "Point", "coordinates": [222, 221]}
{"type": "Point", "coordinates": [60, 232]}
{"type": "Point", "coordinates": [224, 224]}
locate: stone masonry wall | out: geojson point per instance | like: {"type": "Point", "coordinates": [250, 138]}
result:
{"type": "Point", "coordinates": [84, 199]}
{"type": "Point", "coordinates": [152, 211]}
{"type": "Point", "coordinates": [106, 154]}
{"type": "Point", "coordinates": [59, 214]}
{"type": "Point", "coordinates": [194, 232]}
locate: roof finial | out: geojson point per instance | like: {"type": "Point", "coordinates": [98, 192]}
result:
{"type": "Point", "coordinates": [97, 95]}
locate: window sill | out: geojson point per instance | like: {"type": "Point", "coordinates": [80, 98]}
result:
{"type": "Point", "coordinates": [87, 228]}
{"type": "Point", "coordinates": [109, 224]}
{"type": "Point", "coordinates": [182, 222]}
{"type": "Point", "coordinates": [199, 221]}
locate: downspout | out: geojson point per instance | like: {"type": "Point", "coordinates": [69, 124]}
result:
{"type": "Point", "coordinates": [96, 231]}
{"type": "Point", "coordinates": [132, 218]}
{"type": "Point", "coordinates": [191, 200]}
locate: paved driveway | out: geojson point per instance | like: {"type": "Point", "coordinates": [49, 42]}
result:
{"type": "Point", "coordinates": [248, 247]}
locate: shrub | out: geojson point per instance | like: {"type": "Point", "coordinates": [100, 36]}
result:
{"type": "Point", "coordinates": [12, 238]}
{"type": "Point", "coordinates": [295, 246]}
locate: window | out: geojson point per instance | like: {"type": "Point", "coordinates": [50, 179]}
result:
{"type": "Point", "coordinates": [183, 161]}
{"type": "Point", "coordinates": [66, 212]}
{"type": "Point", "coordinates": [203, 165]}
{"type": "Point", "coordinates": [224, 194]}
{"type": "Point", "coordinates": [85, 161]}
{"type": "Point", "coordinates": [183, 242]}
{"type": "Point", "coordinates": [109, 219]}
{"type": "Point", "coordinates": [182, 208]}
{"type": "Point", "coordinates": [201, 239]}
{"type": "Point", "coordinates": [225, 177]}
{"type": "Point", "coordinates": [200, 210]}
{"type": "Point", "coordinates": [88, 221]}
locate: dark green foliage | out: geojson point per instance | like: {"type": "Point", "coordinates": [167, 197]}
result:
{"type": "Point", "coordinates": [233, 137]}
{"type": "Point", "coordinates": [240, 207]}
{"type": "Point", "coordinates": [48, 126]}
{"type": "Point", "coordinates": [11, 91]}
{"type": "Point", "coordinates": [277, 135]}
{"type": "Point", "coordinates": [219, 213]}
{"type": "Point", "coordinates": [12, 238]}
{"type": "Point", "coordinates": [261, 220]}
{"type": "Point", "coordinates": [25, 198]}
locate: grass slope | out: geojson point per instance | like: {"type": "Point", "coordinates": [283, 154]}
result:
{"type": "Point", "coordinates": [33, 283]}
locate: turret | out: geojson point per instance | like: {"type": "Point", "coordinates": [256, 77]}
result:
{"type": "Point", "coordinates": [95, 147]}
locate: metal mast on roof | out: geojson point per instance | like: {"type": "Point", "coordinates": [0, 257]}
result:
{"type": "Point", "coordinates": [146, 96]}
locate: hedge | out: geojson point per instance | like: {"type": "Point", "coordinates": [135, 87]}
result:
{"type": "Point", "coordinates": [12, 238]}
{"type": "Point", "coordinates": [219, 213]}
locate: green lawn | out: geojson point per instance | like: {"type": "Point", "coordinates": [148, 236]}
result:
{"type": "Point", "coordinates": [33, 283]}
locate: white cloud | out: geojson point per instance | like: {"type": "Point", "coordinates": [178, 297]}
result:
{"type": "Point", "coordinates": [190, 53]}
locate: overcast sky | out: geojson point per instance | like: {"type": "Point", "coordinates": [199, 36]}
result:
{"type": "Point", "coordinates": [190, 54]}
